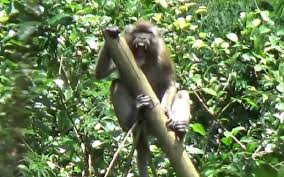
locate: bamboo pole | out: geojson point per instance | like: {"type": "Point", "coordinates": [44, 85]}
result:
{"type": "Point", "coordinates": [138, 84]}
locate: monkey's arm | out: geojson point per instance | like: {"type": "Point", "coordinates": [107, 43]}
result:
{"type": "Point", "coordinates": [168, 97]}
{"type": "Point", "coordinates": [104, 65]}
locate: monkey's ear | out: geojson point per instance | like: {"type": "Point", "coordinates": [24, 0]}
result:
{"type": "Point", "coordinates": [128, 28]}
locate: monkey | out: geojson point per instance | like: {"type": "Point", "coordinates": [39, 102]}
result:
{"type": "Point", "coordinates": [153, 58]}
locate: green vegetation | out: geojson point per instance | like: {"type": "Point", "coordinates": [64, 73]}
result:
{"type": "Point", "coordinates": [57, 120]}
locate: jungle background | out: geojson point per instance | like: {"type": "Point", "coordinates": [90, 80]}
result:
{"type": "Point", "coordinates": [57, 120]}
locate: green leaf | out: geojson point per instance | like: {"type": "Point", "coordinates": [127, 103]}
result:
{"type": "Point", "coordinates": [157, 17]}
{"type": "Point", "coordinates": [251, 102]}
{"type": "Point", "coordinates": [265, 170]}
{"type": "Point", "coordinates": [68, 93]}
{"type": "Point", "coordinates": [3, 16]}
{"type": "Point", "coordinates": [281, 172]}
{"type": "Point", "coordinates": [281, 69]}
{"type": "Point", "coordinates": [181, 23]}
{"type": "Point", "coordinates": [227, 141]}
{"type": "Point", "coordinates": [236, 130]}
{"type": "Point", "coordinates": [280, 32]}
{"type": "Point", "coordinates": [263, 29]}
{"type": "Point", "coordinates": [91, 41]}
{"type": "Point", "coordinates": [63, 19]}
{"type": "Point", "coordinates": [280, 87]}
{"type": "Point", "coordinates": [210, 91]}
{"type": "Point", "coordinates": [194, 150]}
{"type": "Point", "coordinates": [202, 35]}
{"type": "Point", "coordinates": [27, 29]}
{"type": "Point", "coordinates": [259, 43]}
{"type": "Point", "coordinates": [198, 128]}
{"type": "Point", "coordinates": [280, 106]}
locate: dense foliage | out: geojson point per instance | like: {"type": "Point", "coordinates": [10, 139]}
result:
{"type": "Point", "coordinates": [57, 120]}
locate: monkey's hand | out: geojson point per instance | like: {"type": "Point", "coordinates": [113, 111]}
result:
{"type": "Point", "coordinates": [144, 102]}
{"type": "Point", "coordinates": [178, 126]}
{"type": "Point", "coordinates": [167, 110]}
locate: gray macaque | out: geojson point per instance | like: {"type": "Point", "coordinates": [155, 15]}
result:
{"type": "Point", "coordinates": [153, 58]}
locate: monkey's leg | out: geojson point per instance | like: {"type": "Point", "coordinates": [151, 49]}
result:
{"type": "Point", "coordinates": [179, 115]}
{"type": "Point", "coordinates": [124, 105]}
{"type": "Point", "coordinates": [128, 110]}
{"type": "Point", "coordinates": [143, 154]}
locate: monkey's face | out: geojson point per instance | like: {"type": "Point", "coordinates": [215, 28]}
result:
{"type": "Point", "coordinates": [143, 40]}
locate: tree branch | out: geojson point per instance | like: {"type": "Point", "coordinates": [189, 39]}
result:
{"type": "Point", "coordinates": [156, 118]}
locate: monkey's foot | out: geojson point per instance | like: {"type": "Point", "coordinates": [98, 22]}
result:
{"type": "Point", "coordinates": [179, 127]}
{"type": "Point", "coordinates": [144, 101]}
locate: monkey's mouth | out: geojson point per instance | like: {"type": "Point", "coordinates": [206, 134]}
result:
{"type": "Point", "coordinates": [140, 50]}
{"type": "Point", "coordinates": [141, 45]}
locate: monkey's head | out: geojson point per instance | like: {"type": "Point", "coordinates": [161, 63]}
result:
{"type": "Point", "coordinates": [144, 40]}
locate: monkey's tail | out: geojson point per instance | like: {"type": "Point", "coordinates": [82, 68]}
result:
{"type": "Point", "coordinates": [143, 153]}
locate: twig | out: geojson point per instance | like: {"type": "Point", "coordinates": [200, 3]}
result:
{"type": "Point", "coordinates": [221, 112]}
{"type": "Point", "coordinates": [60, 65]}
{"type": "Point", "coordinates": [28, 146]}
{"type": "Point", "coordinates": [228, 82]}
{"type": "Point", "coordinates": [129, 158]}
{"type": "Point", "coordinates": [119, 149]}
{"type": "Point", "coordinates": [216, 119]}
{"type": "Point", "coordinates": [90, 164]}
{"type": "Point", "coordinates": [256, 5]}
{"type": "Point", "coordinates": [204, 105]}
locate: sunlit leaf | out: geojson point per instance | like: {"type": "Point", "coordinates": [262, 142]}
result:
{"type": "Point", "coordinates": [157, 17]}
{"type": "Point", "coordinates": [3, 16]}
{"type": "Point", "coordinates": [198, 44]}
{"type": "Point", "coordinates": [163, 3]}
{"type": "Point", "coordinates": [265, 16]}
{"type": "Point", "coordinates": [91, 41]}
{"type": "Point", "coordinates": [198, 128]}
{"type": "Point", "coordinates": [280, 106]}
{"type": "Point", "coordinates": [280, 87]}
{"type": "Point", "coordinates": [225, 45]}
{"type": "Point", "coordinates": [256, 22]}
{"type": "Point", "coordinates": [181, 23]}
{"type": "Point", "coordinates": [201, 10]}
{"type": "Point", "coordinates": [258, 67]}
{"type": "Point", "coordinates": [194, 150]}
{"type": "Point", "coordinates": [202, 35]}
{"type": "Point", "coordinates": [233, 37]}
{"type": "Point", "coordinates": [96, 144]}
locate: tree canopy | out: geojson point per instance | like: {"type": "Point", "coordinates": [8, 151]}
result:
{"type": "Point", "coordinates": [56, 119]}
